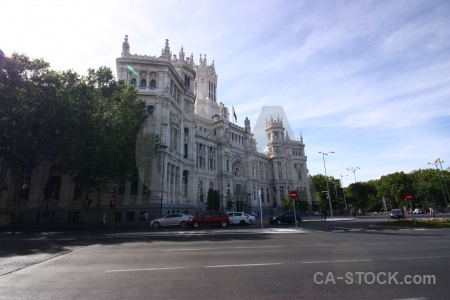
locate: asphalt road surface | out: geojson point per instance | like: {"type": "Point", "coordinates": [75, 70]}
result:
{"type": "Point", "coordinates": [346, 259]}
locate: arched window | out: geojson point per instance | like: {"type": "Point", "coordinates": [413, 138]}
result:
{"type": "Point", "coordinates": [150, 110]}
{"type": "Point", "coordinates": [143, 83]}
{"type": "Point", "coordinates": [133, 81]}
{"type": "Point", "coordinates": [153, 84]}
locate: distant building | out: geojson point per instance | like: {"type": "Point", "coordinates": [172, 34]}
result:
{"type": "Point", "coordinates": [200, 148]}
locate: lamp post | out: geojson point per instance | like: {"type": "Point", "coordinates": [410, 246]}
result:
{"type": "Point", "coordinates": [326, 178]}
{"type": "Point", "coordinates": [440, 163]}
{"type": "Point", "coordinates": [343, 192]}
{"type": "Point", "coordinates": [440, 181]}
{"type": "Point", "coordinates": [353, 170]}
{"type": "Point", "coordinates": [162, 178]}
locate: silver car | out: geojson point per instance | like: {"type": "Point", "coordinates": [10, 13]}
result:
{"type": "Point", "coordinates": [171, 220]}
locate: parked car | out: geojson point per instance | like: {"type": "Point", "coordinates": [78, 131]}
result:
{"type": "Point", "coordinates": [239, 218]}
{"type": "Point", "coordinates": [210, 218]}
{"type": "Point", "coordinates": [396, 214]}
{"type": "Point", "coordinates": [171, 220]}
{"type": "Point", "coordinates": [286, 217]}
{"type": "Point", "coordinates": [251, 218]}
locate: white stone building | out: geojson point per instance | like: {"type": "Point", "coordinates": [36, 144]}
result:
{"type": "Point", "coordinates": [200, 148]}
{"type": "Point", "coordinates": [203, 148]}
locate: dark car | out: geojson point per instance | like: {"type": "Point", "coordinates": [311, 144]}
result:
{"type": "Point", "coordinates": [210, 218]}
{"type": "Point", "coordinates": [286, 217]}
{"type": "Point", "coordinates": [396, 214]}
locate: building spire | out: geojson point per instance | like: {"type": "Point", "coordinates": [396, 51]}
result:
{"type": "Point", "coordinates": [125, 47]}
{"type": "Point", "coordinates": [181, 54]}
{"type": "Point", "coordinates": [166, 51]}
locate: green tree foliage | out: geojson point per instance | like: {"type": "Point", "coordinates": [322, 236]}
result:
{"type": "Point", "coordinates": [30, 123]}
{"type": "Point", "coordinates": [213, 200]}
{"type": "Point", "coordinates": [86, 124]}
{"type": "Point", "coordinates": [367, 196]}
{"type": "Point", "coordinates": [318, 186]}
{"type": "Point", "coordinates": [359, 195]}
{"type": "Point", "coordinates": [105, 117]}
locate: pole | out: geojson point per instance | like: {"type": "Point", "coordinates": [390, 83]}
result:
{"type": "Point", "coordinates": [343, 192]}
{"type": "Point", "coordinates": [162, 179]}
{"type": "Point", "coordinates": [295, 215]}
{"type": "Point", "coordinates": [440, 181]}
{"type": "Point", "coordinates": [353, 170]}
{"type": "Point", "coordinates": [260, 209]}
{"type": "Point", "coordinates": [326, 178]}
{"type": "Point", "coordinates": [448, 195]}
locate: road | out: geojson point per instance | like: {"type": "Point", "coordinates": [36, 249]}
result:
{"type": "Point", "coordinates": [327, 260]}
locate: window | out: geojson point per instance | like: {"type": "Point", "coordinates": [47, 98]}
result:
{"type": "Point", "coordinates": [185, 154]}
{"type": "Point", "coordinates": [130, 216]}
{"type": "Point", "coordinates": [133, 81]}
{"type": "Point", "coordinates": [153, 84]}
{"type": "Point", "coordinates": [143, 83]}
{"type": "Point", "coordinates": [150, 110]}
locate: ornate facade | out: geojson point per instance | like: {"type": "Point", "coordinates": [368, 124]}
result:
{"type": "Point", "coordinates": [199, 148]}
{"type": "Point", "coordinates": [203, 148]}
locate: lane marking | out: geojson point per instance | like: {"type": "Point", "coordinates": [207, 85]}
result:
{"type": "Point", "coordinates": [188, 249]}
{"type": "Point", "coordinates": [149, 269]}
{"type": "Point", "coordinates": [326, 245]}
{"type": "Point", "coordinates": [253, 247]}
{"type": "Point", "coordinates": [335, 261]}
{"type": "Point", "coordinates": [242, 265]}
{"type": "Point", "coordinates": [418, 257]}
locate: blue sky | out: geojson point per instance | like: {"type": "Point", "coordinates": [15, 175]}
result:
{"type": "Point", "coordinates": [369, 80]}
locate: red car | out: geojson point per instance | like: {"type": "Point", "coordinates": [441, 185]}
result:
{"type": "Point", "coordinates": [210, 218]}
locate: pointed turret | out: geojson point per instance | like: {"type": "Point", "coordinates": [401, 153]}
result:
{"type": "Point", "coordinates": [181, 54]}
{"type": "Point", "coordinates": [125, 47]}
{"type": "Point", "coordinates": [165, 52]}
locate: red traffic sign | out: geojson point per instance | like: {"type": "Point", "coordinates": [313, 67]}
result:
{"type": "Point", "coordinates": [293, 194]}
{"type": "Point", "coordinates": [409, 197]}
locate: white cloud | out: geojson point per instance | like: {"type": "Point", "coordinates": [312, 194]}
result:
{"type": "Point", "coordinates": [362, 78]}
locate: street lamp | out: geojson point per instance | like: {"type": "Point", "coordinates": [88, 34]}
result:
{"type": "Point", "coordinates": [343, 192]}
{"type": "Point", "coordinates": [326, 178]}
{"type": "Point", "coordinates": [353, 170]}
{"type": "Point", "coordinates": [440, 163]}
{"type": "Point", "coordinates": [162, 178]}
{"type": "Point", "coordinates": [440, 181]}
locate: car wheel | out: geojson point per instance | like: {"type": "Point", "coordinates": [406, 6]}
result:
{"type": "Point", "coordinates": [250, 222]}
{"type": "Point", "coordinates": [242, 222]}
{"type": "Point", "coordinates": [156, 225]}
{"type": "Point", "coordinates": [279, 222]}
{"type": "Point", "coordinates": [223, 224]}
{"type": "Point", "coordinates": [183, 224]}
{"type": "Point", "coordinates": [196, 224]}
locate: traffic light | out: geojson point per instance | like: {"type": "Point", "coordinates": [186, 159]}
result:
{"type": "Point", "coordinates": [112, 203]}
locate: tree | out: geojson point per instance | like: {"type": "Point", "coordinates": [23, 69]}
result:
{"type": "Point", "coordinates": [30, 118]}
{"type": "Point", "coordinates": [359, 194]}
{"type": "Point", "coordinates": [88, 125]}
{"type": "Point", "coordinates": [318, 188]}
{"type": "Point", "coordinates": [213, 200]}
{"type": "Point", "coordinates": [105, 118]}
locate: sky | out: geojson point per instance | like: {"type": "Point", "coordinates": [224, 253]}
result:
{"type": "Point", "coordinates": [368, 80]}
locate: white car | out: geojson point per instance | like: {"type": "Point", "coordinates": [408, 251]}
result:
{"type": "Point", "coordinates": [239, 218]}
{"type": "Point", "coordinates": [251, 218]}
{"type": "Point", "coordinates": [171, 220]}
